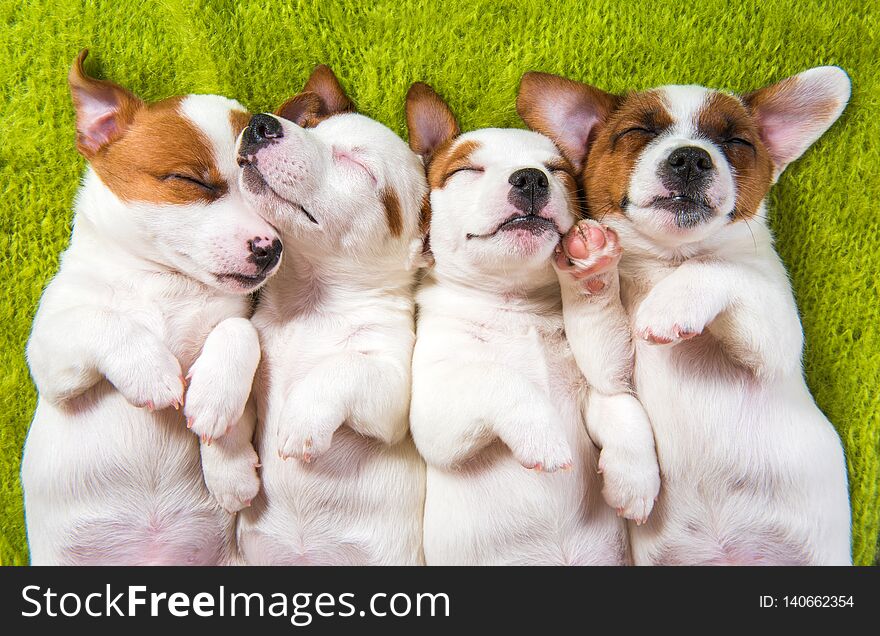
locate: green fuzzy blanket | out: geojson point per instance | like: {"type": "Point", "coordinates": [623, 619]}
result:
{"type": "Point", "coordinates": [473, 52]}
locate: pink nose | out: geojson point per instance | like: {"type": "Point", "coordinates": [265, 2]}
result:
{"type": "Point", "coordinates": [265, 252]}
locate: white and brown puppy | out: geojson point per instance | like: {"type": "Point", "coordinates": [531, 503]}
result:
{"type": "Point", "coordinates": [152, 289]}
{"type": "Point", "coordinates": [500, 410]}
{"type": "Point", "coordinates": [752, 470]}
{"type": "Point", "coordinates": [342, 480]}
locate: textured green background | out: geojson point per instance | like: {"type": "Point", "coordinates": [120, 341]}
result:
{"type": "Point", "coordinates": [824, 210]}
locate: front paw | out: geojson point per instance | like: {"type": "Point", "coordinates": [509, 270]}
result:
{"type": "Point", "coordinates": [668, 318]}
{"type": "Point", "coordinates": [588, 255]}
{"type": "Point", "coordinates": [542, 449]}
{"type": "Point", "coordinates": [307, 431]}
{"type": "Point", "coordinates": [148, 376]}
{"type": "Point", "coordinates": [632, 482]}
{"type": "Point", "coordinates": [215, 399]}
{"type": "Point", "coordinates": [232, 481]}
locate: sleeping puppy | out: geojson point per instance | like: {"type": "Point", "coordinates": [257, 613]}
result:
{"type": "Point", "coordinates": [342, 481]}
{"type": "Point", "coordinates": [500, 410]}
{"type": "Point", "coordinates": [753, 472]}
{"type": "Point", "coordinates": [152, 290]}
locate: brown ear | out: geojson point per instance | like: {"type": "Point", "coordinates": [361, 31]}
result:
{"type": "Point", "coordinates": [794, 113]}
{"type": "Point", "coordinates": [301, 109]}
{"type": "Point", "coordinates": [429, 120]}
{"type": "Point", "coordinates": [103, 109]}
{"type": "Point", "coordinates": [564, 110]}
{"type": "Point", "coordinates": [323, 83]}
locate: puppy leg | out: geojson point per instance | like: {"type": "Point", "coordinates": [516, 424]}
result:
{"type": "Point", "coordinates": [221, 378]}
{"type": "Point", "coordinates": [71, 350]}
{"type": "Point", "coordinates": [619, 426]}
{"type": "Point", "coordinates": [458, 409]}
{"type": "Point", "coordinates": [595, 320]}
{"type": "Point", "coordinates": [752, 312]}
{"type": "Point", "coordinates": [599, 336]}
{"type": "Point", "coordinates": [368, 392]}
{"type": "Point", "coordinates": [229, 464]}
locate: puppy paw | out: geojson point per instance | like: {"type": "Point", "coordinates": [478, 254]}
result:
{"type": "Point", "coordinates": [544, 451]}
{"type": "Point", "coordinates": [665, 317]}
{"type": "Point", "coordinates": [307, 432]}
{"type": "Point", "coordinates": [631, 482]}
{"type": "Point", "coordinates": [216, 397]}
{"type": "Point", "coordinates": [232, 480]}
{"type": "Point", "coordinates": [587, 256]}
{"type": "Point", "coordinates": [149, 376]}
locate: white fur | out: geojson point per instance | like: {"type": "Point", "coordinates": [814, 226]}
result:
{"type": "Point", "coordinates": [497, 390]}
{"type": "Point", "coordinates": [342, 481]}
{"type": "Point", "coordinates": [134, 306]}
{"type": "Point", "coordinates": [753, 472]}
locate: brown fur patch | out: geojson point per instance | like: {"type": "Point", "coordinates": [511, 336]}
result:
{"type": "Point", "coordinates": [449, 157]}
{"type": "Point", "coordinates": [239, 120]}
{"type": "Point", "coordinates": [429, 120]}
{"type": "Point", "coordinates": [617, 147]}
{"type": "Point", "coordinates": [302, 109]}
{"type": "Point", "coordinates": [537, 111]}
{"type": "Point", "coordinates": [425, 214]}
{"type": "Point", "coordinates": [392, 211]}
{"type": "Point", "coordinates": [324, 84]}
{"type": "Point", "coordinates": [563, 170]}
{"type": "Point", "coordinates": [151, 161]}
{"type": "Point", "coordinates": [86, 89]}
{"type": "Point", "coordinates": [723, 118]}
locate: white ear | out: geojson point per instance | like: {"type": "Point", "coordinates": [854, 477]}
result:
{"type": "Point", "coordinates": [564, 110]}
{"type": "Point", "coordinates": [794, 113]}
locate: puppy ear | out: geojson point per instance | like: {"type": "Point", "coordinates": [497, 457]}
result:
{"type": "Point", "coordinates": [794, 113]}
{"type": "Point", "coordinates": [104, 110]}
{"type": "Point", "coordinates": [323, 83]}
{"type": "Point", "coordinates": [429, 120]}
{"type": "Point", "coordinates": [301, 109]}
{"type": "Point", "coordinates": [564, 110]}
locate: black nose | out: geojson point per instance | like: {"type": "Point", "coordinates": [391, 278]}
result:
{"type": "Point", "coordinates": [265, 253]}
{"type": "Point", "coordinates": [690, 162]}
{"type": "Point", "coordinates": [261, 130]}
{"type": "Point", "coordinates": [530, 190]}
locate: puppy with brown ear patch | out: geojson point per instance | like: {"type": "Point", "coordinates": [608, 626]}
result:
{"type": "Point", "coordinates": [753, 472]}
{"type": "Point", "coordinates": [342, 481]}
{"type": "Point", "coordinates": [152, 291]}
{"type": "Point", "coordinates": [500, 410]}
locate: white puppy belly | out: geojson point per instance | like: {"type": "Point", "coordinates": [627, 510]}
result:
{"type": "Point", "coordinates": [359, 504]}
{"type": "Point", "coordinates": [109, 484]}
{"type": "Point", "coordinates": [493, 511]}
{"type": "Point", "coordinates": [752, 473]}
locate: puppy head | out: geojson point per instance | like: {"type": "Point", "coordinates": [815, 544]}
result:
{"type": "Point", "coordinates": [335, 182]}
{"type": "Point", "coordinates": [168, 182]}
{"type": "Point", "coordinates": [679, 163]}
{"type": "Point", "coordinates": [500, 198]}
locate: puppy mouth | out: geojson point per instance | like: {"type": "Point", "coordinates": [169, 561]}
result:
{"type": "Point", "coordinates": [256, 183]}
{"type": "Point", "coordinates": [531, 223]}
{"type": "Point", "coordinates": [243, 280]}
{"type": "Point", "coordinates": [688, 211]}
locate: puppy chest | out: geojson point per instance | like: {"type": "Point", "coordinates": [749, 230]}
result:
{"type": "Point", "coordinates": [543, 356]}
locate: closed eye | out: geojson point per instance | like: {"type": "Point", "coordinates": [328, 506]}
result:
{"type": "Point", "coordinates": [189, 179]}
{"type": "Point", "coordinates": [463, 169]}
{"type": "Point", "coordinates": [636, 130]}
{"type": "Point", "coordinates": [739, 141]}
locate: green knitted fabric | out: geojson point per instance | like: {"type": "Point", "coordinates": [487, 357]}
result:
{"type": "Point", "coordinates": [473, 52]}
